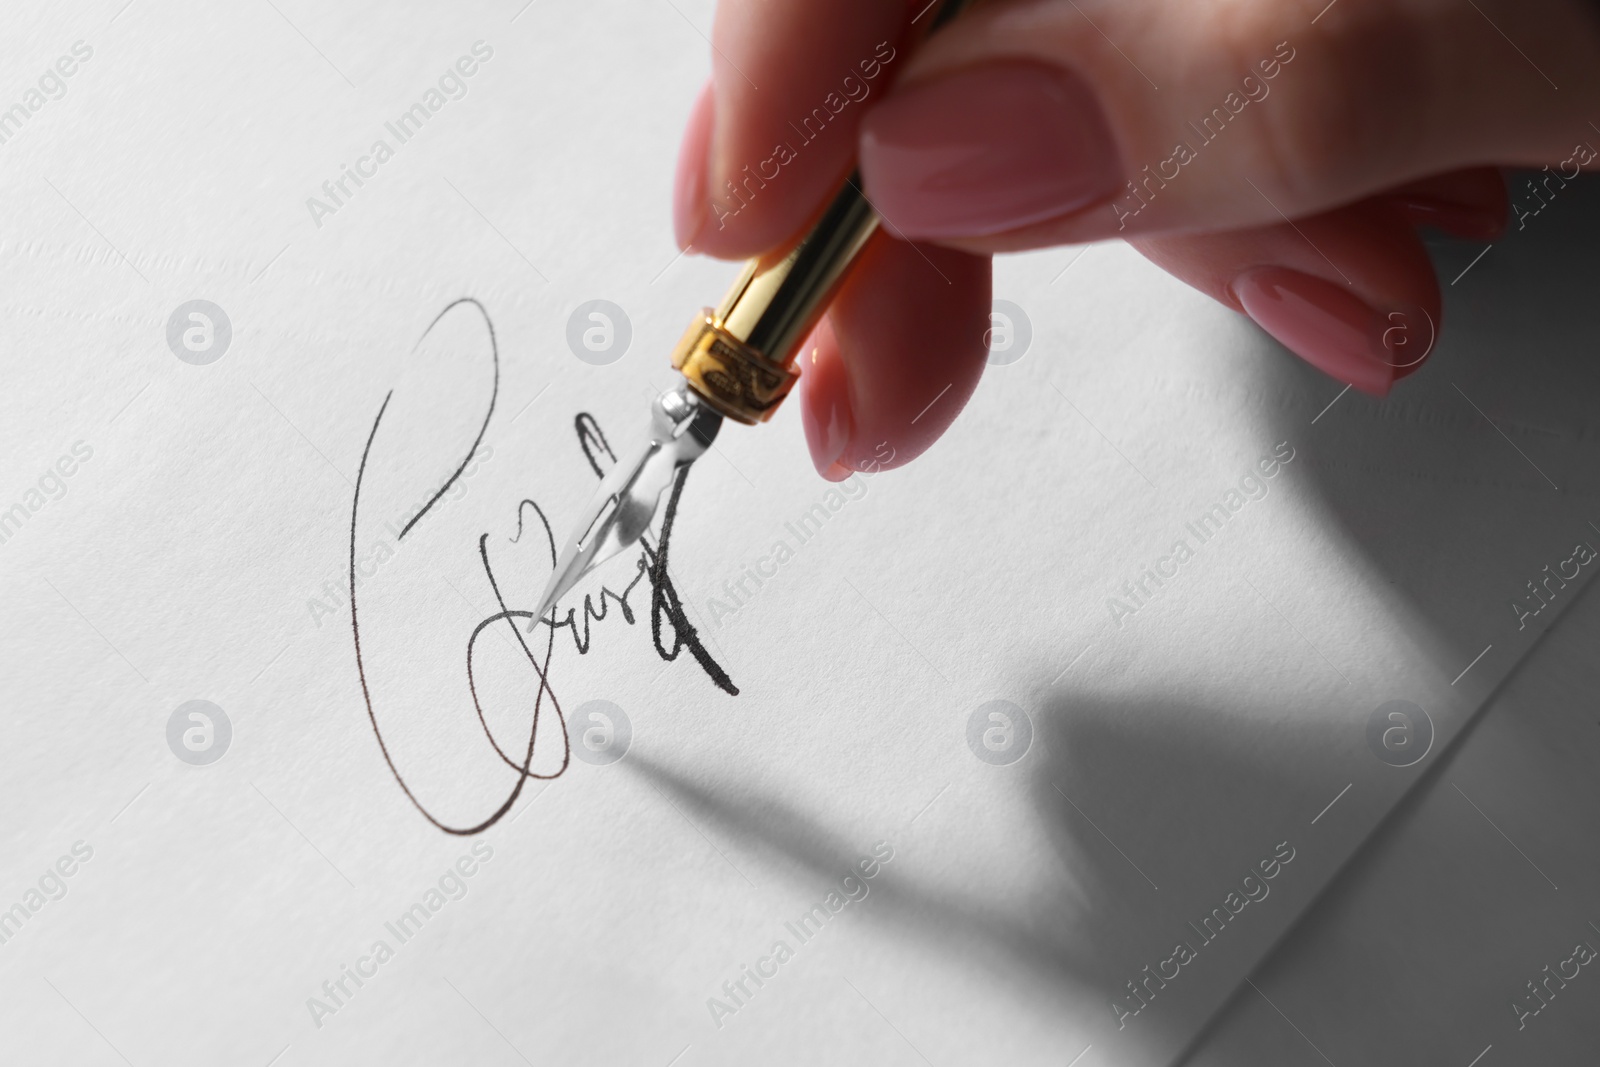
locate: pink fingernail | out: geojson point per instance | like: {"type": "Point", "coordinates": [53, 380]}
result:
{"type": "Point", "coordinates": [689, 200]}
{"type": "Point", "coordinates": [1333, 329]}
{"type": "Point", "coordinates": [826, 418]}
{"type": "Point", "coordinates": [1471, 203]}
{"type": "Point", "coordinates": [1480, 222]}
{"type": "Point", "coordinates": [988, 149]}
{"type": "Point", "coordinates": [825, 401]}
{"type": "Point", "coordinates": [837, 473]}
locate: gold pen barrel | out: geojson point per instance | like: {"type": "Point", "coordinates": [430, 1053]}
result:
{"type": "Point", "coordinates": [740, 357]}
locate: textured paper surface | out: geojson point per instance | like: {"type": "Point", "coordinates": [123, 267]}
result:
{"type": "Point", "coordinates": [1425, 948]}
{"type": "Point", "coordinates": [199, 551]}
{"type": "Point", "coordinates": [1483, 881]}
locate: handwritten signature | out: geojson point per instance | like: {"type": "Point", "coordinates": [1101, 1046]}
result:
{"type": "Point", "coordinates": [670, 630]}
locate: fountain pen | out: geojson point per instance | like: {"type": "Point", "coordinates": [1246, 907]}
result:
{"type": "Point", "coordinates": [737, 362]}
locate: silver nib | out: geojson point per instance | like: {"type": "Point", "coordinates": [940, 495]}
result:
{"type": "Point", "coordinates": [682, 427]}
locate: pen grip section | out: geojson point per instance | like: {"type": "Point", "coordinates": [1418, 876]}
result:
{"type": "Point", "coordinates": [740, 357]}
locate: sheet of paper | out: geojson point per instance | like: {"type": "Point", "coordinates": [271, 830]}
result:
{"type": "Point", "coordinates": [861, 854]}
{"type": "Point", "coordinates": [1465, 932]}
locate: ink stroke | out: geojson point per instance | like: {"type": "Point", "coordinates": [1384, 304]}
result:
{"type": "Point", "coordinates": [458, 336]}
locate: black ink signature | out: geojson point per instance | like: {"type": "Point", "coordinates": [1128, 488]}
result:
{"type": "Point", "coordinates": [671, 631]}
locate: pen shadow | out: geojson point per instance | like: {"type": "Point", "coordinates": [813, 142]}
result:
{"type": "Point", "coordinates": [1091, 785]}
{"type": "Point", "coordinates": [1492, 439]}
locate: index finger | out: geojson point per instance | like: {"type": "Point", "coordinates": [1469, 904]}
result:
{"type": "Point", "coordinates": [777, 132]}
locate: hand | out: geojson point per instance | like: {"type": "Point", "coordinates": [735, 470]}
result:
{"type": "Point", "coordinates": [1029, 123]}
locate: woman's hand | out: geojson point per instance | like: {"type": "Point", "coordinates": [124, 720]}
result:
{"type": "Point", "coordinates": [1274, 154]}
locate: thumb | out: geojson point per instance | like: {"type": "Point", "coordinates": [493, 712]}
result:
{"type": "Point", "coordinates": [1048, 121]}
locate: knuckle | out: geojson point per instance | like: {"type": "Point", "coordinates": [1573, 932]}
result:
{"type": "Point", "coordinates": [1354, 106]}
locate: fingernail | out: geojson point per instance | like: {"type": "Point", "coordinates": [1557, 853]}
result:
{"type": "Point", "coordinates": [988, 149]}
{"type": "Point", "coordinates": [826, 418]}
{"type": "Point", "coordinates": [1471, 204]}
{"type": "Point", "coordinates": [1478, 222]}
{"type": "Point", "coordinates": [689, 200]}
{"type": "Point", "coordinates": [1333, 329]}
{"type": "Point", "coordinates": [825, 402]}
{"type": "Point", "coordinates": [837, 473]}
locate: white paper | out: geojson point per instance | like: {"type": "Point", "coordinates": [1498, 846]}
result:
{"type": "Point", "coordinates": [202, 552]}
{"type": "Point", "coordinates": [1465, 931]}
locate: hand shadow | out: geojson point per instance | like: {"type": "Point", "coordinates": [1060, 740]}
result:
{"type": "Point", "coordinates": [1063, 937]}
{"type": "Point", "coordinates": [1466, 481]}
{"type": "Point", "coordinates": [1480, 468]}
{"type": "Point", "coordinates": [1417, 949]}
